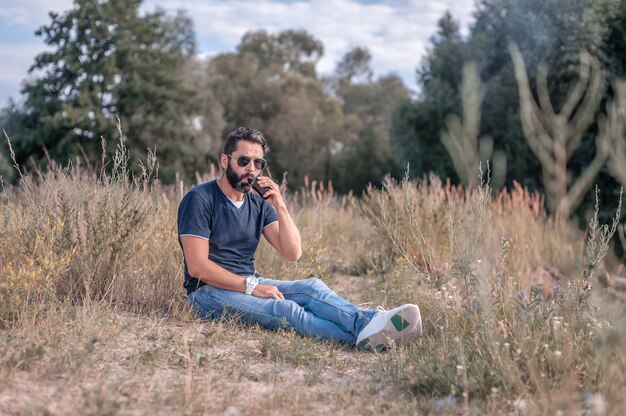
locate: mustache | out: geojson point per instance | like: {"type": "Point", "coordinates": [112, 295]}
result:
{"type": "Point", "coordinates": [248, 177]}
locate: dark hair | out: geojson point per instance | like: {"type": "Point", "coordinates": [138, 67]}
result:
{"type": "Point", "coordinates": [243, 133]}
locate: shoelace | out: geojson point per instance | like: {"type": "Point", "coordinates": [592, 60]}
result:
{"type": "Point", "coordinates": [381, 309]}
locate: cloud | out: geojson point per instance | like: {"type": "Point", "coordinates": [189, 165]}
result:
{"type": "Point", "coordinates": [32, 13]}
{"type": "Point", "coordinates": [19, 58]}
{"type": "Point", "coordinates": [396, 32]}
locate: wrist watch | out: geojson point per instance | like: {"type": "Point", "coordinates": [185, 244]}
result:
{"type": "Point", "coordinates": [251, 283]}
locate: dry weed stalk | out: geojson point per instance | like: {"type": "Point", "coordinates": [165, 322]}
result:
{"type": "Point", "coordinates": [554, 137]}
{"type": "Point", "coordinates": [501, 337]}
{"type": "Point", "coordinates": [461, 136]}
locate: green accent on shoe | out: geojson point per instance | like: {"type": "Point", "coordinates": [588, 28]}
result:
{"type": "Point", "coordinates": [362, 344]}
{"type": "Point", "coordinates": [399, 322]}
{"type": "Point", "coordinates": [380, 347]}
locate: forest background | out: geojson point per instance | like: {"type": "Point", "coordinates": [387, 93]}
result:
{"type": "Point", "coordinates": [106, 60]}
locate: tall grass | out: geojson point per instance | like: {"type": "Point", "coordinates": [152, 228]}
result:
{"type": "Point", "coordinates": [506, 294]}
{"type": "Point", "coordinates": [74, 235]}
{"type": "Point", "coordinates": [513, 319]}
{"type": "Point", "coordinates": [70, 235]}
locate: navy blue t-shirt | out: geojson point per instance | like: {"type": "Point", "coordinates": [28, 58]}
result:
{"type": "Point", "coordinates": [233, 233]}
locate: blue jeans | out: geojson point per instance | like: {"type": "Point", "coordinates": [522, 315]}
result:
{"type": "Point", "coordinates": [310, 308]}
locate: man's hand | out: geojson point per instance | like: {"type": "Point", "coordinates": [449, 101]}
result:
{"type": "Point", "coordinates": [273, 194]}
{"type": "Point", "coordinates": [267, 291]}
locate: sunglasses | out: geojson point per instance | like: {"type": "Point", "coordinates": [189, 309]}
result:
{"type": "Point", "coordinates": [243, 161]}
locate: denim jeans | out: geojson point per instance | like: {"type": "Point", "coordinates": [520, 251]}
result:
{"type": "Point", "coordinates": [310, 308]}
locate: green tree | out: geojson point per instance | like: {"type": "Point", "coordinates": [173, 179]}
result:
{"type": "Point", "coordinates": [417, 125]}
{"type": "Point", "coordinates": [270, 84]}
{"type": "Point", "coordinates": [364, 155]}
{"type": "Point", "coordinates": [551, 32]}
{"type": "Point", "coordinates": [107, 61]}
{"type": "Point", "coordinates": [8, 119]}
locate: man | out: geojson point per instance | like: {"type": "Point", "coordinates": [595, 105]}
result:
{"type": "Point", "coordinates": [219, 226]}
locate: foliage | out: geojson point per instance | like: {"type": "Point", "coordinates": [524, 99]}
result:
{"type": "Point", "coordinates": [321, 128]}
{"type": "Point", "coordinates": [270, 83]}
{"type": "Point", "coordinates": [552, 33]}
{"type": "Point", "coordinates": [364, 155]}
{"type": "Point", "coordinates": [417, 126]}
{"type": "Point", "coordinates": [107, 61]}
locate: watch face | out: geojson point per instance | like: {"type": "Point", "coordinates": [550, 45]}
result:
{"type": "Point", "coordinates": [253, 280]}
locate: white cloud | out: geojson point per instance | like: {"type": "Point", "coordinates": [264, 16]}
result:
{"type": "Point", "coordinates": [17, 58]}
{"type": "Point", "coordinates": [397, 33]}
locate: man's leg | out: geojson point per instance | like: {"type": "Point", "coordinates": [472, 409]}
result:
{"type": "Point", "coordinates": [315, 297]}
{"type": "Point", "coordinates": [210, 303]}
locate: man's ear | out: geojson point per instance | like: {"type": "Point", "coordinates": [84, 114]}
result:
{"type": "Point", "coordinates": [223, 161]}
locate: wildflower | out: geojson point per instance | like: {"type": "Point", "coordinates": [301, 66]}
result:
{"type": "Point", "coordinates": [520, 404]}
{"type": "Point", "coordinates": [598, 404]}
{"type": "Point", "coordinates": [558, 353]}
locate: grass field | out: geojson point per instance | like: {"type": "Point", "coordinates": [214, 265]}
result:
{"type": "Point", "coordinates": [94, 320]}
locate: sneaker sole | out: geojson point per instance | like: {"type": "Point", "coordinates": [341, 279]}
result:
{"type": "Point", "coordinates": [403, 328]}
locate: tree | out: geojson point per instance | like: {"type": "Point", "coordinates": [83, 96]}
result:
{"type": "Point", "coordinates": [615, 126]}
{"type": "Point", "coordinates": [270, 84]}
{"type": "Point", "coordinates": [8, 118]}
{"type": "Point", "coordinates": [107, 62]}
{"type": "Point", "coordinates": [365, 155]}
{"type": "Point", "coordinates": [614, 42]}
{"type": "Point", "coordinates": [417, 125]}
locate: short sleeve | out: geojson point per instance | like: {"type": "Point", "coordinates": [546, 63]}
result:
{"type": "Point", "coordinates": [269, 215]}
{"type": "Point", "coordinates": [194, 216]}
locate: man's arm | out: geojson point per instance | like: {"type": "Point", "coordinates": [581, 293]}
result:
{"type": "Point", "coordinates": [199, 266]}
{"type": "Point", "coordinates": [282, 235]}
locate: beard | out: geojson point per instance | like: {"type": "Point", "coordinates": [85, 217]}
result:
{"type": "Point", "coordinates": [239, 182]}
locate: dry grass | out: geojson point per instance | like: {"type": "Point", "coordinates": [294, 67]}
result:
{"type": "Point", "coordinates": [93, 315]}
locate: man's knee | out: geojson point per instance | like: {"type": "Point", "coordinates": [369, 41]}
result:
{"type": "Point", "coordinates": [316, 284]}
{"type": "Point", "coordinates": [290, 313]}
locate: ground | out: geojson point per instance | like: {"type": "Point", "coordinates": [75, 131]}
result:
{"type": "Point", "coordinates": [109, 362]}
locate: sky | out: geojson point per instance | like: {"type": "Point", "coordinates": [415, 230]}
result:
{"type": "Point", "coordinates": [397, 32]}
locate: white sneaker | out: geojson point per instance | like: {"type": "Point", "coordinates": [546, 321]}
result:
{"type": "Point", "coordinates": [402, 326]}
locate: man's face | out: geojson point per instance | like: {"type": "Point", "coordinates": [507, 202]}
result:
{"type": "Point", "coordinates": [236, 175]}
